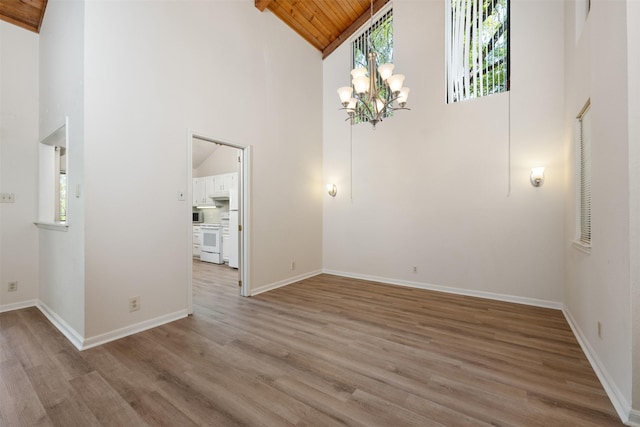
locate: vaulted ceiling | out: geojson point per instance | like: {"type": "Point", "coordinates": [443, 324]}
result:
{"type": "Point", "coordinates": [324, 23]}
{"type": "Point", "coordinates": [27, 14]}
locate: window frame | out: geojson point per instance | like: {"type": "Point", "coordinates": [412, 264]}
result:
{"type": "Point", "coordinates": [449, 57]}
{"type": "Point", "coordinates": [53, 159]}
{"type": "Point", "coordinates": [362, 34]}
{"type": "Point", "coordinates": [583, 177]}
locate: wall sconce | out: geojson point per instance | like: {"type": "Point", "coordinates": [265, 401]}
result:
{"type": "Point", "coordinates": [332, 190]}
{"type": "Point", "coordinates": [537, 176]}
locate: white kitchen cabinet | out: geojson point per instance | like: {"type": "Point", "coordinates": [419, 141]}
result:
{"type": "Point", "coordinates": [233, 181]}
{"type": "Point", "coordinates": [220, 185]}
{"type": "Point", "coordinates": [213, 184]}
{"type": "Point", "coordinates": [227, 180]}
{"type": "Point", "coordinates": [197, 240]}
{"type": "Point", "coordinates": [199, 195]}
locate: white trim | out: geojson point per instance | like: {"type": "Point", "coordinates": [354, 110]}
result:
{"type": "Point", "coordinates": [18, 305]}
{"type": "Point", "coordinates": [189, 209]}
{"type": "Point", "coordinates": [132, 329]}
{"type": "Point", "coordinates": [57, 321]}
{"type": "Point", "coordinates": [581, 246]}
{"type": "Point", "coordinates": [285, 282]}
{"type": "Point", "coordinates": [83, 344]}
{"type": "Point", "coordinates": [243, 211]}
{"type": "Point", "coordinates": [243, 220]}
{"type": "Point", "coordinates": [634, 418]}
{"type": "Point", "coordinates": [467, 292]}
{"type": "Point", "coordinates": [55, 226]}
{"type": "Point", "coordinates": [620, 404]}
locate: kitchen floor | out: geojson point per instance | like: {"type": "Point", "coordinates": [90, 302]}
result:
{"type": "Point", "coordinates": [213, 281]}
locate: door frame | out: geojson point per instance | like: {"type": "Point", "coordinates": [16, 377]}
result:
{"type": "Point", "coordinates": [243, 212]}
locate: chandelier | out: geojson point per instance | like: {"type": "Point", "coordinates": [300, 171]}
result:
{"type": "Point", "coordinates": [373, 94]}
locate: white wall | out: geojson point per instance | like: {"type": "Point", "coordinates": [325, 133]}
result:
{"type": "Point", "coordinates": [229, 72]}
{"type": "Point", "coordinates": [598, 284]}
{"type": "Point", "coordinates": [18, 164]}
{"type": "Point", "coordinates": [62, 94]}
{"type": "Point", "coordinates": [430, 185]}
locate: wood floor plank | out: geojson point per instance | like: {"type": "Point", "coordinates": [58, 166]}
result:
{"type": "Point", "coordinates": [25, 406]}
{"type": "Point", "coordinates": [60, 400]}
{"type": "Point", "coordinates": [326, 351]}
{"type": "Point", "coordinates": [104, 402]}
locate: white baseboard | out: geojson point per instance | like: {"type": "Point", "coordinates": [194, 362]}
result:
{"type": "Point", "coordinates": [447, 289]}
{"type": "Point", "coordinates": [282, 283]}
{"type": "Point", "coordinates": [81, 343]}
{"type": "Point", "coordinates": [629, 416]}
{"type": "Point", "coordinates": [132, 329]}
{"type": "Point", "coordinates": [18, 305]}
{"type": "Point", "coordinates": [622, 407]}
{"type": "Point", "coordinates": [66, 330]}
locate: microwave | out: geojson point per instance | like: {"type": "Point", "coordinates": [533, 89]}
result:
{"type": "Point", "coordinates": [197, 217]}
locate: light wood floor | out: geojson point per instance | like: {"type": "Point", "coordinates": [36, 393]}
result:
{"type": "Point", "coordinates": [322, 352]}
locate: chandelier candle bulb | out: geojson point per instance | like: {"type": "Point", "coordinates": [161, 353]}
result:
{"type": "Point", "coordinates": [361, 84]}
{"type": "Point", "coordinates": [385, 71]}
{"type": "Point", "coordinates": [375, 88]}
{"type": "Point", "coordinates": [404, 94]}
{"type": "Point", "coordinates": [359, 72]}
{"type": "Point", "coordinates": [345, 93]}
{"type": "Point", "coordinates": [395, 82]}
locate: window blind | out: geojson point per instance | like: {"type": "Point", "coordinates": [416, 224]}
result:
{"type": "Point", "coordinates": [585, 175]}
{"type": "Point", "coordinates": [477, 48]}
{"type": "Point", "coordinates": [379, 37]}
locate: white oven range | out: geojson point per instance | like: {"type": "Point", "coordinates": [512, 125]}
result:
{"type": "Point", "coordinates": [211, 246]}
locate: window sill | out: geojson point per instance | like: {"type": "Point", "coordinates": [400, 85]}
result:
{"type": "Point", "coordinates": [55, 226]}
{"type": "Point", "coordinates": [581, 246]}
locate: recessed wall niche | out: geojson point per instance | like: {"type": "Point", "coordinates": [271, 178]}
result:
{"type": "Point", "coordinates": [53, 154]}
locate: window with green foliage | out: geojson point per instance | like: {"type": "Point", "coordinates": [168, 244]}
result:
{"type": "Point", "coordinates": [60, 181]}
{"type": "Point", "coordinates": [477, 48]}
{"type": "Point", "coordinates": [63, 197]}
{"type": "Point", "coordinates": [379, 38]}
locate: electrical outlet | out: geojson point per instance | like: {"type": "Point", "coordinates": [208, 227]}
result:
{"type": "Point", "coordinates": [599, 329]}
{"type": "Point", "coordinates": [293, 265]}
{"type": "Point", "coordinates": [13, 286]}
{"type": "Point", "coordinates": [415, 269]}
{"type": "Point", "coordinates": [7, 198]}
{"type": "Point", "coordinates": [134, 303]}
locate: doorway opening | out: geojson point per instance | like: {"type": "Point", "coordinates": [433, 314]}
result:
{"type": "Point", "coordinates": [218, 190]}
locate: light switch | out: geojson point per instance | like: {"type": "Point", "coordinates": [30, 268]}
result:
{"type": "Point", "coordinates": [181, 196]}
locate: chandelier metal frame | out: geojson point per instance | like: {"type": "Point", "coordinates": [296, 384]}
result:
{"type": "Point", "coordinates": [364, 97]}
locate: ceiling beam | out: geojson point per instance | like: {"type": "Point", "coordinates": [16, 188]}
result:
{"type": "Point", "coordinates": [262, 4]}
{"type": "Point", "coordinates": [27, 14]}
{"type": "Point", "coordinates": [377, 5]}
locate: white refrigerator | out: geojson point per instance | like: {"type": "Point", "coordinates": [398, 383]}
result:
{"type": "Point", "coordinates": [233, 228]}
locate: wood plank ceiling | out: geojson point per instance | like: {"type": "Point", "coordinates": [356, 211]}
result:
{"type": "Point", "coordinates": [326, 24]}
{"type": "Point", "coordinates": [27, 14]}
